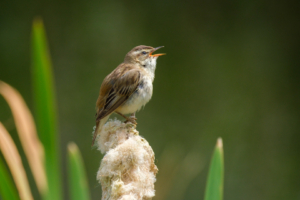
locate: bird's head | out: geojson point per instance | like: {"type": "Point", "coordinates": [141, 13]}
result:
{"type": "Point", "coordinates": [143, 55]}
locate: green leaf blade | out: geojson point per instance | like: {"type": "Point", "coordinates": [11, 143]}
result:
{"type": "Point", "coordinates": [78, 186]}
{"type": "Point", "coordinates": [44, 97]}
{"type": "Point", "coordinates": [215, 181]}
{"type": "Point", "coordinates": [8, 190]}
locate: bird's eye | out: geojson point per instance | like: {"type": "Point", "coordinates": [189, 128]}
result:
{"type": "Point", "coordinates": [144, 52]}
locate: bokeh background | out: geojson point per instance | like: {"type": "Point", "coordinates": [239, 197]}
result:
{"type": "Point", "coordinates": [231, 71]}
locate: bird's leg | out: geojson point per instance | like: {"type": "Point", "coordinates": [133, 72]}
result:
{"type": "Point", "coordinates": [122, 115]}
{"type": "Point", "coordinates": [129, 119]}
{"type": "Point", "coordinates": [132, 116]}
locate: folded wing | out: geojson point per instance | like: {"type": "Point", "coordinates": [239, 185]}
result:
{"type": "Point", "coordinates": [120, 90]}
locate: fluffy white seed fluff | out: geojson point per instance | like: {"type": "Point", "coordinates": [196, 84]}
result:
{"type": "Point", "coordinates": [127, 171]}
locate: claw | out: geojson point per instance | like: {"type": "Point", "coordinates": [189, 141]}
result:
{"type": "Point", "coordinates": [132, 120]}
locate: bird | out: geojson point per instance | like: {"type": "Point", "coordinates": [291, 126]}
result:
{"type": "Point", "coordinates": [128, 87]}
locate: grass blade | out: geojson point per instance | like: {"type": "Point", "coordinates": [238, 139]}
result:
{"type": "Point", "coordinates": [214, 184]}
{"type": "Point", "coordinates": [27, 133]}
{"type": "Point", "coordinates": [78, 186]}
{"type": "Point", "coordinates": [14, 162]}
{"type": "Point", "coordinates": [46, 108]}
{"type": "Point", "coordinates": [7, 188]}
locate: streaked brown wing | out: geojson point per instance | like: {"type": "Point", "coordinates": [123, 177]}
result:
{"type": "Point", "coordinates": [120, 91]}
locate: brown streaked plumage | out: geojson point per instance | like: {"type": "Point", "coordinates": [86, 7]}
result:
{"type": "Point", "coordinates": [128, 87]}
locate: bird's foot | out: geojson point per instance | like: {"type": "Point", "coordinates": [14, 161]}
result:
{"type": "Point", "coordinates": [131, 119]}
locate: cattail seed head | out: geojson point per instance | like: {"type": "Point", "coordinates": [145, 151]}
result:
{"type": "Point", "coordinates": [127, 170]}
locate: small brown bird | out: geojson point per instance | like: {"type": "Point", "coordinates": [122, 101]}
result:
{"type": "Point", "coordinates": [128, 88]}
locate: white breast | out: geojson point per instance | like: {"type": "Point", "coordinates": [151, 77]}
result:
{"type": "Point", "coordinates": [139, 98]}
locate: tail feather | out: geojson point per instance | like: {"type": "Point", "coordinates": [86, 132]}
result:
{"type": "Point", "coordinates": [99, 125]}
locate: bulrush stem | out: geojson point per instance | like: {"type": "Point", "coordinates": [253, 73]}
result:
{"type": "Point", "coordinates": [127, 170]}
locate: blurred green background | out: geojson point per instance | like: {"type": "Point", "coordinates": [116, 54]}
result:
{"type": "Point", "coordinates": [231, 70]}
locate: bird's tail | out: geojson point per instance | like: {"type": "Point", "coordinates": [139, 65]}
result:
{"type": "Point", "coordinates": [99, 125]}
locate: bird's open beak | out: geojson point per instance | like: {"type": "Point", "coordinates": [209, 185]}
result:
{"type": "Point", "coordinates": [156, 55]}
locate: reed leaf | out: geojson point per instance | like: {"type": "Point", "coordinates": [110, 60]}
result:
{"type": "Point", "coordinates": [14, 162]}
{"type": "Point", "coordinates": [78, 186]}
{"type": "Point", "coordinates": [46, 118]}
{"type": "Point", "coordinates": [214, 184]}
{"type": "Point", "coordinates": [7, 188]}
{"type": "Point", "coordinates": [27, 133]}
